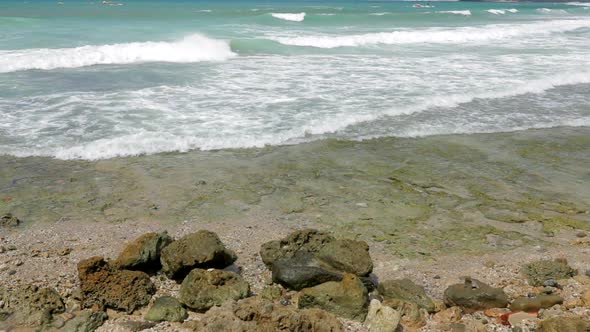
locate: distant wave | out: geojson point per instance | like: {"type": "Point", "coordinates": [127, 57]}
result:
{"type": "Point", "coordinates": [551, 11]}
{"type": "Point", "coordinates": [502, 11]}
{"type": "Point", "coordinates": [379, 14]}
{"type": "Point", "coordinates": [194, 48]}
{"type": "Point", "coordinates": [295, 17]}
{"type": "Point", "coordinates": [456, 12]}
{"type": "Point", "coordinates": [580, 4]}
{"type": "Point", "coordinates": [436, 35]}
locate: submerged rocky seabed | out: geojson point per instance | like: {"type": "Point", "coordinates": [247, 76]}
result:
{"type": "Point", "coordinates": [466, 210]}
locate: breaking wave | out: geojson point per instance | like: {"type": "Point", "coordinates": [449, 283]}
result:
{"type": "Point", "coordinates": [294, 17]}
{"type": "Point", "coordinates": [194, 48]}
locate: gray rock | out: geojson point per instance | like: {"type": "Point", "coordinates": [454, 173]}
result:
{"type": "Point", "coordinates": [347, 256]}
{"type": "Point", "coordinates": [300, 271]}
{"type": "Point", "coordinates": [348, 298]}
{"type": "Point", "coordinates": [406, 290]}
{"type": "Point", "coordinates": [474, 295]}
{"type": "Point", "coordinates": [85, 321]}
{"type": "Point", "coordinates": [541, 271]}
{"type": "Point", "coordinates": [202, 249]}
{"type": "Point", "coordinates": [203, 289]}
{"type": "Point", "coordinates": [167, 308]}
{"type": "Point", "coordinates": [382, 318]}
{"type": "Point", "coordinates": [144, 252]}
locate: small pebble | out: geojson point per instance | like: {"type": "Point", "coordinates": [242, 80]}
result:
{"type": "Point", "coordinates": [11, 272]}
{"type": "Point", "coordinates": [581, 234]}
{"type": "Point", "coordinates": [551, 283]}
{"type": "Point", "coordinates": [531, 295]}
{"type": "Point", "coordinates": [11, 247]}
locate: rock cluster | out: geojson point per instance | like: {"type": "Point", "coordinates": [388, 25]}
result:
{"type": "Point", "coordinates": [318, 280]}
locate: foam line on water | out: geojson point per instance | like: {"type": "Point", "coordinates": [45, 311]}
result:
{"type": "Point", "coordinates": [193, 48]}
{"type": "Point", "coordinates": [148, 142]}
{"type": "Point", "coordinates": [456, 12]}
{"type": "Point", "coordinates": [437, 35]}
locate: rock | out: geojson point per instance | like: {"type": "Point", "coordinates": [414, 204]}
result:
{"type": "Point", "coordinates": [452, 314]}
{"type": "Point", "coordinates": [144, 252]}
{"type": "Point", "coordinates": [104, 285]}
{"type": "Point", "coordinates": [8, 220]}
{"type": "Point", "coordinates": [347, 298]}
{"type": "Point", "coordinates": [85, 321]}
{"type": "Point", "coordinates": [202, 249]}
{"type": "Point", "coordinates": [203, 289]}
{"type": "Point", "coordinates": [30, 305]}
{"type": "Point", "coordinates": [167, 308]}
{"type": "Point", "coordinates": [300, 271]}
{"type": "Point", "coordinates": [495, 312]}
{"type": "Point", "coordinates": [581, 234]}
{"type": "Point", "coordinates": [541, 271]}
{"type": "Point", "coordinates": [516, 318]}
{"type": "Point", "coordinates": [551, 283]}
{"type": "Point", "coordinates": [381, 318]}
{"type": "Point", "coordinates": [474, 295]}
{"type": "Point", "coordinates": [134, 326]}
{"type": "Point", "coordinates": [534, 304]}
{"type": "Point", "coordinates": [257, 315]}
{"type": "Point", "coordinates": [347, 256]}
{"type": "Point", "coordinates": [272, 293]}
{"type": "Point", "coordinates": [310, 240]}
{"type": "Point", "coordinates": [406, 290]}
{"type": "Point", "coordinates": [562, 324]}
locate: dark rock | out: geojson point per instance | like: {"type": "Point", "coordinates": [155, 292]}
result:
{"type": "Point", "coordinates": [564, 324]}
{"type": "Point", "coordinates": [144, 252]}
{"type": "Point", "coordinates": [348, 298]}
{"type": "Point", "coordinates": [30, 305]}
{"type": "Point", "coordinates": [202, 249]}
{"type": "Point", "coordinates": [551, 283]}
{"type": "Point", "coordinates": [8, 220]}
{"type": "Point", "coordinates": [310, 240]}
{"type": "Point", "coordinates": [301, 270]}
{"type": "Point", "coordinates": [541, 271]}
{"type": "Point", "coordinates": [347, 256]}
{"type": "Point", "coordinates": [85, 321]}
{"type": "Point", "coordinates": [473, 295]}
{"type": "Point", "coordinates": [203, 289]}
{"type": "Point", "coordinates": [258, 315]}
{"type": "Point", "coordinates": [528, 304]}
{"type": "Point", "coordinates": [167, 308]}
{"type": "Point", "coordinates": [106, 286]}
{"type": "Point", "coordinates": [406, 290]}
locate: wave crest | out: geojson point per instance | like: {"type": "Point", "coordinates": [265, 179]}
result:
{"type": "Point", "coordinates": [294, 17]}
{"type": "Point", "coordinates": [194, 48]}
{"type": "Point", "coordinates": [456, 12]}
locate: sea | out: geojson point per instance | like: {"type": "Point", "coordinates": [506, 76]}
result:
{"type": "Point", "coordinates": [103, 79]}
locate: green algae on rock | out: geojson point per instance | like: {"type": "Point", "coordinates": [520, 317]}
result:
{"type": "Point", "coordinates": [541, 271]}
{"type": "Point", "coordinates": [204, 289]}
{"type": "Point", "coordinates": [144, 252]}
{"type": "Point", "coordinates": [473, 295]}
{"type": "Point", "coordinates": [166, 308]}
{"type": "Point", "coordinates": [406, 290]}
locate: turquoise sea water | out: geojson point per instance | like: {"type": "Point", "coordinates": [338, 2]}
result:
{"type": "Point", "coordinates": [91, 80]}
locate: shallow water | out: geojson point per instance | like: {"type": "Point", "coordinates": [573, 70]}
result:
{"type": "Point", "coordinates": [92, 81]}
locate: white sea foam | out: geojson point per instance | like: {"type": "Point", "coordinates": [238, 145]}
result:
{"type": "Point", "coordinates": [437, 35]}
{"type": "Point", "coordinates": [149, 142]}
{"type": "Point", "coordinates": [379, 14]}
{"type": "Point", "coordinates": [194, 48]}
{"type": "Point", "coordinates": [579, 4]}
{"type": "Point", "coordinates": [551, 11]}
{"type": "Point", "coordinates": [502, 11]}
{"type": "Point", "coordinates": [456, 12]}
{"type": "Point", "coordinates": [295, 17]}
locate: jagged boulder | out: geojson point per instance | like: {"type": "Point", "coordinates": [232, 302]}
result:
{"type": "Point", "coordinates": [143, 253]}
{"type": "Point", "coordinates": [540, 271]}
{"type": "Point", "coordinates": [347, 298]}
{"type": "Point", "coordinates": [255, 315]}
{"type": "Point", "coordinates": [309, 257]}
{"type": "Point", "coordinates": [473, 295]}
{"type": "Point", "coordinates": [104, 285]}
{"type": "Point", "coordinates": [30, 305]}
{"type": "Point", "coordinates": [406, 290]}
{"type": "Point", "coordinates": [202, 249]}
{"type": "Point", "coordinates": [203, 289]}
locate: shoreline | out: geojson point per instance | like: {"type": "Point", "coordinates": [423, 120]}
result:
{"type": "Point", "coordinates": [485, 202]}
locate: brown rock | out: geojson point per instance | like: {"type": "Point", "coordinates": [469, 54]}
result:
{"type": "Point", "coordinates": [203, 289]}
{"type": "Point", "coordinates": [105, 286]}
{"type": "Point", "coordinates": [495, 312]}
{"type": "Point", "coordinates": [586, 299]}
{"type": "Point", "coordinates": [534, 304]}
{"type": "Point", "coordinates": [564, 324]}
{"type": "Point", "coordinates": [8, 220]}
{"type": "Point", "coordinates": [144, 252]}
{"type": "Point", "coordinates": [473, 295]}
{"type": "Point", "coordinates": [257, 315]}
{"type": "Point", "coordinates": [452, 314]}
{"type": "Point", "coordinates": [310, 240]}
